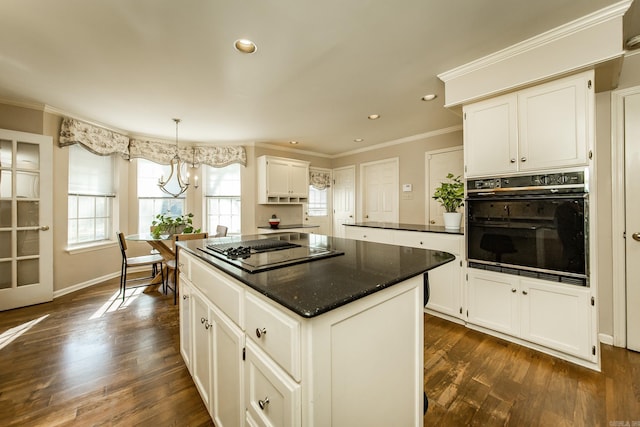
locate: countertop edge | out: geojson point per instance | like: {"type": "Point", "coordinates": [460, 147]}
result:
{"type": "Point", "coordinates": [408, 227]}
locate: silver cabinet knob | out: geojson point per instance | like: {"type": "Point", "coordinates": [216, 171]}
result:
{"type": "Point", "coordinates": [260, 332]}
{"type": "Point", "coordinates": [185, 297]}
{"type": "Point", "coordinates": [523, 159]}
{"type": "Point", "coordinates": [513, 290]}
{"type": "Point", "coordinates": [512, 160]}
{"type": "Point", "coordinates": [263, 403]}
{"type": "Point", "coordinates": [636, 237]}
{"type": "Point", "coordinates": [525, 293]}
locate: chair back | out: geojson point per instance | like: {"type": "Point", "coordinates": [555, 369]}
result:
{"type": "Point", "coordinates": [123, 244]}
{"type": "Point", "coordinates": [221, 231]}
{"type": "Point", "coordinates": [190, 236]}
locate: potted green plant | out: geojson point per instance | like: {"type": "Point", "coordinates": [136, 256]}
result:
{"type": "Point", "coordinates": [164, 223]}
{"type": "Point", "coordinates": [450, 195]}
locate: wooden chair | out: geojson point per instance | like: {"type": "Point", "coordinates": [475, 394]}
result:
{"type": "Point", "coordinates": [138, 261]}
{"type": "Point", "coordinates": [172, 264]}
{"type": "Point", "coordinates": [221, 231]}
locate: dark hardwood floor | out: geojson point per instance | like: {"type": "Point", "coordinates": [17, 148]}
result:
{"type": "Point", "coordinates": [92, 361]}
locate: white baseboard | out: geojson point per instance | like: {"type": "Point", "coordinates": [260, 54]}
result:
{"type": "Point", "coordinates": [606, 339]}
{"type": "Point", "coordinates": [95, 281]}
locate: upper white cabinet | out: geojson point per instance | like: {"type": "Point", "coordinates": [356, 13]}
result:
{"type": "Point", "coordinates": [539, 128]}
{"type": "Point", "coordinates": [282, 181]}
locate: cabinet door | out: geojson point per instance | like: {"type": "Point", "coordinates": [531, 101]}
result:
{"type": "Point", "coordinates": [272, 397]}
{"type": "Point", "coordinates": [277, 178]}
{"type": "Point", "coordinates": [298, 180]}
{"type": "Point", "coordinates": [444, 289]}
{"type": "Point", "coordinates": [554, 125]}
{"type": "Point", "coordinates": [185, 321]}
{"type": "Point", "coordinates": [201, 356]}
{"type": "Point", "coordinates": [227, 399]}
{"type": "Point", "coordinates": [493, 301]}
{"type": "Point", "coordinates": [557, 316]}
{"type": "Point", "coordinates": [491, 136]}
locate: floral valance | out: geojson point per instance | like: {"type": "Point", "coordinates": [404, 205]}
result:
{"type": "Point", "coordinates": [319, 179]}
{"type": "Point", "coordinates": [163, 153]}
{"type": "Point", "coordinates": [98, 140]}
{"type": "Point", "coordinates": [104, 142]}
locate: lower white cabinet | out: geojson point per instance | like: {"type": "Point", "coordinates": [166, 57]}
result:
{"type": "Point", "coordinates": [273, 398]}
{"type": "Point", "coordinates": [445, 282]}
{"type": "Point", "coordinates": [554, 315]}
{"type": "Point", "coordinates": [185, 322]}
{"type": "Point", "coordinates": [256, 363]}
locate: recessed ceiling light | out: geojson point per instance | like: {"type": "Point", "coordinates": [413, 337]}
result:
{"type": "Point", "coordinates": [245, 46]}
{"type": "Point", "coordinates": [374, 116]}
{"type": "Point", "coordinates": [429, 97]}
{"type": "Point", "coordinates": [358, 140]}
{"type": "Point", "coordinates": [293, 142]}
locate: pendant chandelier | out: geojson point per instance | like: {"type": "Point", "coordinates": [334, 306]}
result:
{"type": "Point", "coordinates": [176, 184]}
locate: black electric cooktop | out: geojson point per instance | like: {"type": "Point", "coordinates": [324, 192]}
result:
{"type": "Point", "coordinates": [266, 254]}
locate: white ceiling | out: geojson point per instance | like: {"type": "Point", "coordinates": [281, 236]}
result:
{"type": "Point", "coordinates": [321, 66]}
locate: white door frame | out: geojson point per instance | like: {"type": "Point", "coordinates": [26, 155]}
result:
{"type": "Point", "coordinates": [395, 160]}
{"type": "Point", "coordinates": [352, 169]}
{"type": "Point", "coordinates": [618, 214]}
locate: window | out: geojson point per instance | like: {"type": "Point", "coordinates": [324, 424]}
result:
{"type": "Point", "coordinates": [222, 197]}
{"type": "Point", "coordinates": [151, 200]}
{"type": "Point", "coordinates": [90, 196]}
{"type": "Point", "coordinates": [318, 202]}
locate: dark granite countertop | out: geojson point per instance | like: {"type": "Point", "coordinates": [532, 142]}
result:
{"type": "Point", "coordinates": [319, 286]}
{"type": "Point", "coordinates": [407, 227]}
{"type": "Point", "coordinates": [288, 226]}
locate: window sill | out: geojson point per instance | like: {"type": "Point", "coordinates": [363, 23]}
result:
{"type": "Point", "coordinates": [89, 247]}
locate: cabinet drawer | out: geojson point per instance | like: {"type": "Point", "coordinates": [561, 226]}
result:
{"type": "Point", "coordinates": [277, 333]}
{"type": "Point", "coordinates": [272, 398]}
{"type": "Point", "coordinates": [435, 241]}
{"type": "Point", "coordinates": [378, 235]}
{"type": "Point", "coordinates": [226, 295]}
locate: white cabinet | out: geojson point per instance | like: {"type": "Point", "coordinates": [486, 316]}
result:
{"type": "Point", "coordinates": [185, 321]}
{"type": "Point", "coordinates": [493, 301]}
{"type": "Point", "coordinates": [539, 128]}
{"type": "Point", "coordinates": [282, 181]}
{"type": "Point", "coordinates": [554, 315]}
{"type": "Point", "coordinates": [378, 235]}
{"type": "Point", "coordinates": [256, 363]}
{"type": "Point", "coordinates": [445, 282]}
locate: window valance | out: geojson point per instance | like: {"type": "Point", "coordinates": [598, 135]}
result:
{"type": "Point", "coordinates": [319, 179]}
{"type": "Point", "coordinates": [162, 152]}
{"type": "Point", "coordinates": [104, 142]}
{"type": "Point", "coordinates": [98, 140]}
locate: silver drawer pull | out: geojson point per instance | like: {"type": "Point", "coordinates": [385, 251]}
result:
{"type": "Point", "coordinates": [263, 403]}
{"type": "Point", "coordinates": [185, 296]}
{"type": "Point", "coordinates": [261, 332]}
{"type": "Point", "coordinates": [207, 325]}
{"type": "Point", "coordinates": [202, 319]}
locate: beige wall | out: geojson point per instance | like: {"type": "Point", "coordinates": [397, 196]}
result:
{"type": "Point", "coordinates": [411, 156]}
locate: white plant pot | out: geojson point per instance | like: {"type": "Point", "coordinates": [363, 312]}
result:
{"type": "Point", "coordinates": [452, 220]}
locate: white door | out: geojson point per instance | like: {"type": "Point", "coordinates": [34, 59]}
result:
{"type": "Point", "coordinates": [26, 214]}
{"type": "Point", "coordinates": [439, 164]}
{"type": "Point", "coordinates": [379, 181]}
{"type": "Point", "coordinates": [632, 191]}
{"type": "Point", "coordinates": [344, 205]}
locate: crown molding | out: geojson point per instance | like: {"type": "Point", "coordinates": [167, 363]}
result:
{"type": "Point", "coordinates": [611, 12]}
{"type": "Point", "coordinates": [401, 141]}
{"type": "Point", "coordinates": [290, 150]}
{"type": "Point", "coordinates": [23, 104]}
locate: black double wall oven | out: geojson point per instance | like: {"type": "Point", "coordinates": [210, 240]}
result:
{"type": "Point", "coordinates": [534, 226]}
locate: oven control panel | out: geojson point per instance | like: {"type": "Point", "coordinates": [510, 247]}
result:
{"type": "Point", "coordinates": [554, 182]}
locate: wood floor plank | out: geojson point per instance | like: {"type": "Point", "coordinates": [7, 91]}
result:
{"type": "Point", "coordinates": [83, 365]}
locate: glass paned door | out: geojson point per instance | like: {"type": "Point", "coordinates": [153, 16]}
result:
{"type": "Point", "coordinates": [26, 210]}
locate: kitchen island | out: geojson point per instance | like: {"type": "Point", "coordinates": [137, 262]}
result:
{"type": "Point", "coordinates": [335, 341]}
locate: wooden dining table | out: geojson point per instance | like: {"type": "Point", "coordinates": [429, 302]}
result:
{"type": "Point", "coordinates": [162, 244]}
